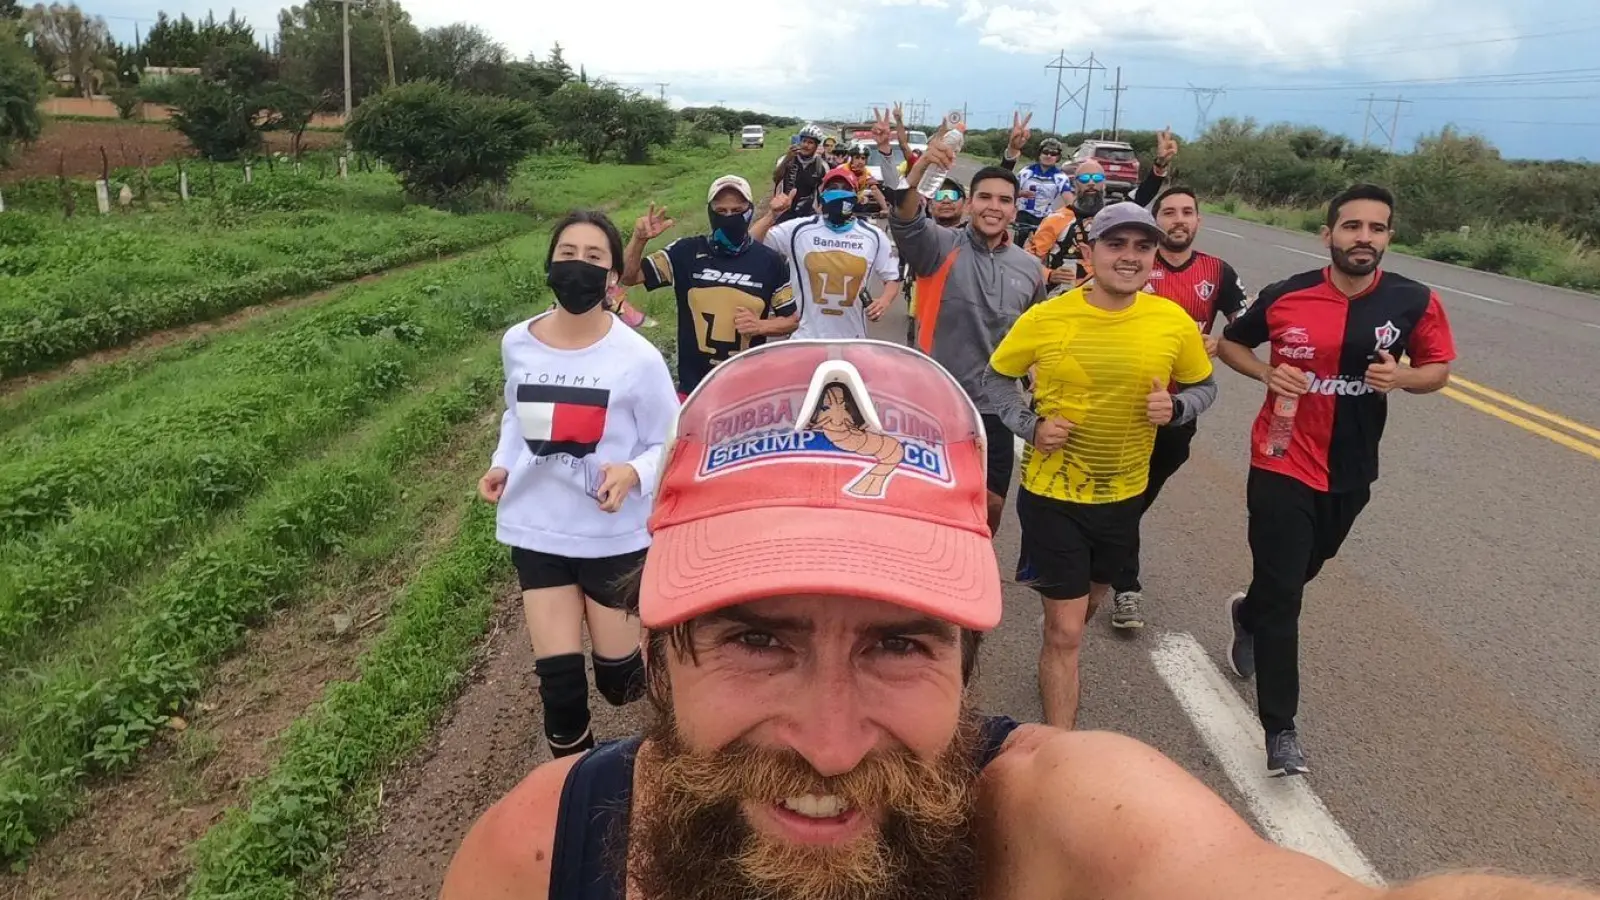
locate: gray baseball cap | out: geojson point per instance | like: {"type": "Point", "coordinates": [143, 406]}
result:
{"type": "Point", "coordinates": [1126, 214]}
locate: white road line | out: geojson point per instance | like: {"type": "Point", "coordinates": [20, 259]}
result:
{"type": "Point", "coordinates": [1590, 325]}
{"type": "Point", "coordinates": [1495, 300]}
{"type": "Point", "coordinates": [1301, 252]}
{"type": "Point", "coordinates": [1215, 230]}
{"type": "Point", "coordinates": [1288, 811]}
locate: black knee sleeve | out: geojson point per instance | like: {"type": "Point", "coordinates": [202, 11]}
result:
{"type": "Point", "coordinates": [620, 680]}
{"type": "Point", "coordinates": [564, 690]}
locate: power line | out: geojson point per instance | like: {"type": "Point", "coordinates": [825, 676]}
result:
{"type": "Point", "coordinates": [1388, 131]}
{"type": "Point", "coordinates": [1204, 99]}
{"type": "Point", "coordinates": [1061, 66]}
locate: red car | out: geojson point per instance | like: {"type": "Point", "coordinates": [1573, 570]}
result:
{"type": "Point", "coordinates": [1119, 161]}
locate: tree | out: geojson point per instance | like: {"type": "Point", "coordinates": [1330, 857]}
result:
{"type": "Point", "coordinates": [243, 68]}
{"type": "Point", "coordinates": [444, 143]}
{"type": "Point", "coordinates": [311, 44]}
{"type": "Point", "coordinates": [219, 122]}
{"type": "Point", "coordinates": [293, 106]}
{"type": "Point", "coordinates": [10, 9]}
{"type": "Point", "coordinates": [73, 43]}
{"type": "Point", "coordinates": [463, 56]}
{"type": "Point", "coordinates": [599, 118]}
{"type": "Point", "coordinates": [22, 85]}
{"type": "Point", "coordinates": [185, 43]}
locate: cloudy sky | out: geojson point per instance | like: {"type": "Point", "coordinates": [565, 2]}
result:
{"type": "Point", "coordinates": [1526, 75]}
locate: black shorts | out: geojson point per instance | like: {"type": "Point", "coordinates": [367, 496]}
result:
{"type": "Point", "coordinates": [1002, 454]}
{"type": "Point", "coordinates": [1073, 545]}
{"type": "Point", "coordinates": [601, 579]}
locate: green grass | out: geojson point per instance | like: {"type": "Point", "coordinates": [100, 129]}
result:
{"type": "Point", "coordinates": [93, 282]}
{"type": "Point", "coordinates": [293, 826]}
{"type": "Point", "coordinates": [1538, 253]}
{"type": "Point", "coordinates": [105, 467]}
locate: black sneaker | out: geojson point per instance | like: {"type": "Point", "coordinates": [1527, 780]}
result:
{"type": "Point", "coordinates": [1284, 756]}
{"type": "Point", "coordinates": [1242, 655]}
{"type": "Point", "coordinates": [560, 746]}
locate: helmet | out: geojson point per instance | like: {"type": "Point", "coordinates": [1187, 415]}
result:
{"type": "Point", "coordinates": [1050, 145]}
{"type": "Point", "coordinates": [813, 132]}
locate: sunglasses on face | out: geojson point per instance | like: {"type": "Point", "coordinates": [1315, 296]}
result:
{"type": "Point", "coordinates": [1091, 178]}
{"type": "Point", "coordinates": [1044, 153]}
{"type": "Point", "coordinates": [947, 196]}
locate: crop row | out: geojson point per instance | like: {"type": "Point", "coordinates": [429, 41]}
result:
{"type": "Point", "coordinates": [105, 505]}
{"type": "Point", "coordinates": [109, 305]}
{"type": "Point", "coordinates": [80, 720]}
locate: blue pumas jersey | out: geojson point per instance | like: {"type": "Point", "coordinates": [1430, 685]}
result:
{"type": "Point", "coordinates": [1047, 184]}
{"type": "Point", "coordinates": [710, 284]}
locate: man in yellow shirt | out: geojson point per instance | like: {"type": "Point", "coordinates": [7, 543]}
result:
{"type": "Point", "coordinates": [1104, 357]}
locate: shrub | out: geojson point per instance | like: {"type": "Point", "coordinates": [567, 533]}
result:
{"type": "Point", "coordinates": [21, 89]}
{"type": "Point", "coordinates": [443, 143]}
{"type": "Point", "coordinates": [219, 122]}
{"type": "Point", "coordinates": [600, 119]}
{"type": "Point", "coordinates": [126, 98]}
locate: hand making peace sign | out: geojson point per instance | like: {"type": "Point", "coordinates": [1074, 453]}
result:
{"type": "Point", "coordinates": [653, 223]}
{"type": "Point", "coordinates": [1020, 132]}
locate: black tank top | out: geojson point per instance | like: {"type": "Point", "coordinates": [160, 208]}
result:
{"type": "Point", "coordinates": [596, 800]}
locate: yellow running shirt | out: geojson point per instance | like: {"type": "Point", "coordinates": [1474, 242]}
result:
{"type": "Point", "coordinates": [1095, 369]}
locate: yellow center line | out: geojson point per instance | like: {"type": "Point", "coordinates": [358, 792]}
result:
{"type": "Point", "coordinates": [1530, 409]}
{"type": "Point", "coordinates": [1564, 440]}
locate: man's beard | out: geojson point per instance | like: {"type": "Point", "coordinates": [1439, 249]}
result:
{"type": "Point", "coordinates": [948, 221]}
{"type": "Point", "coordinates": [1341, 261]}
{"type": "Point", "coordinates": [1177, 245]}
{"type": "Point", "coordinates": [689, 838]}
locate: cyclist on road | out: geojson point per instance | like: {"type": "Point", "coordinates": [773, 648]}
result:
{"type": "Point", "coordinates": [1336, 336]}
{"type": "Point", "coordinates": [732, 291]}
{"type": "Point", "coordinates": [800, 173]}
{"type": "Point", "coordinates": [589, 402]}
{"type": "Point", "coordinates": [832, 256]}
{"type": "Point", "coordinates": [1205, 287]}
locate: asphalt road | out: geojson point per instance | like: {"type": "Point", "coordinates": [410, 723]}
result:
{"type": "Point", "coordinates": [1450, 656]}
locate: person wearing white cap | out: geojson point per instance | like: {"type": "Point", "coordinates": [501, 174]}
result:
{"type": "Point", "coordinates": [1104, 356]}
{"type": "Point", "coordinates": [733, 291]}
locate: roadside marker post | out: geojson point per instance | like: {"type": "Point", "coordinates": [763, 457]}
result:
{"type": "Point", "coordinates": [102, 194]}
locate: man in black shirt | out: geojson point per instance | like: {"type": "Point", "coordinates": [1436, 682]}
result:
{"type": "Point", "coordinates": [801, 171]}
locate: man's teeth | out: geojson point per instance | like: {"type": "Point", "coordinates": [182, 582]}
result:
{"type": "Point", "coordinates": [815, 806]}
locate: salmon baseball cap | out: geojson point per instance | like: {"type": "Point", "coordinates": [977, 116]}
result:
{"type": "Point", "coordinates": [842, 468]}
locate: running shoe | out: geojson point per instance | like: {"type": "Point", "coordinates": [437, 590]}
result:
{"type": "Point", "coordinates": [1242, 655]}
{"type": "Point", "coordinates": [1284, 756]}
{"type": "Point", "coordinates": [1126, 611]}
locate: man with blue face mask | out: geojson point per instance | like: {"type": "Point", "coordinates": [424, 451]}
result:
{"type": "Point", "coordinates": [733, 292]}
{"type": "Point", "coordinates": [832, 255]}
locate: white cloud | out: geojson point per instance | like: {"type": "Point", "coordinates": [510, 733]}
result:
{"type": "Point", "coordinates": [1259, 32]}
{"type": "Point", "coordinates": [905, 45]}
{"type": "Point", "coordinates": [934, 4]}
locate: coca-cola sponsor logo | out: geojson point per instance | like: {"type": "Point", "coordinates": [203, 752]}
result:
{"type": "Point", "coordinates": [1339, 386]}
{"type": "Point", "coordinates": [1302, 352]}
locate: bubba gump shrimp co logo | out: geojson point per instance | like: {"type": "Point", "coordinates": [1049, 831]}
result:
{"type": "Point", "coordinates": [762, 432]}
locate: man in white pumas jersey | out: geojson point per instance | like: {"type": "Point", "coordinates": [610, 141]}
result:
{"type": "Point", "coordinates": [831, 256]}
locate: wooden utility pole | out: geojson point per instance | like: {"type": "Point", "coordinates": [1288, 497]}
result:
{"type": "Point", "coordinates": [348, 104]}
{"type": "Point", "coordinates": [388, 41]}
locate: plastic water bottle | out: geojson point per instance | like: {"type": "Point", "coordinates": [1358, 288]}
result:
{"type": "Point", "coordinates": [955, 137]}
{"type": "Point", "coordinates": [1281, 428]}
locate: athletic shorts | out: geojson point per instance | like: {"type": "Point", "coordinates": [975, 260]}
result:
{"type": "Point", "coordinates": [1002, 454]}
{"type": "Point", "coordinates": [1073, 545]}
{"type": "Point", "coordinates": [602, 579]}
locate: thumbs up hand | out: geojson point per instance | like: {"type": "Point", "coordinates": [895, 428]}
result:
{"type": "Point", "coordinates": [1384, 375]}
{"type": "Point", "coordinates": [1158, 404]}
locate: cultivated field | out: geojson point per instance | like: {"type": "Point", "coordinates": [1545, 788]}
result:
{"type": "Point", "coordinates": [242, 569]}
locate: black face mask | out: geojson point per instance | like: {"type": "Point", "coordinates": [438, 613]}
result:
{"type": "Point", "coordinates": [730, 232]}
{"type": "Point", "coordinates": [579, 286]}
{"type": "Point", "coordinates": [1086, 204]}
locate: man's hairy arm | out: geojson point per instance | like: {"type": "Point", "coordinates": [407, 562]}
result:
{"type": "Point", "coordinates": [1110, 818]}
{"type": "Point", "coordinates": [507, 854]}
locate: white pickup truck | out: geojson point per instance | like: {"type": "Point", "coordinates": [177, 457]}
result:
{"type": "Point", "coordinates": [754, 136]}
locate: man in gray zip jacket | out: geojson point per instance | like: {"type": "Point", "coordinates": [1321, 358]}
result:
{"type": "Point", "coordinates": [972, 284]}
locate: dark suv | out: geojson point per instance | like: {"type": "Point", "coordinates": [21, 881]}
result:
{"type": "Point", "coordinates": [1119, 161]}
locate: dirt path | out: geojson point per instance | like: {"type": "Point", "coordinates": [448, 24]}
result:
{"type": "Point", "coordinates": [491, 738]}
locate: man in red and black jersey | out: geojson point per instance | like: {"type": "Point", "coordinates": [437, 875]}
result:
{"type": "Point", "coordinates": [1205, 287]}
{"type": "Point", "coordinates": [1336, 337]}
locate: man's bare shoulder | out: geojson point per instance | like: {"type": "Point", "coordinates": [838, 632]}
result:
{"type": "Point", "coordinates": [507, 852]}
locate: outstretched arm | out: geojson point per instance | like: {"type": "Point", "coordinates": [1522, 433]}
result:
{"type": "Point", "coordinates": [650, 226]}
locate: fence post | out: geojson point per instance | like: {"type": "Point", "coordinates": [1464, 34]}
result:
{"type": "Point", "coordinates": [2, 202]}
{"type": "Point", "coordinates": [344, 167]}
{"type": "Point", "coordinates": [102, 194]}
{"type": "Point", "coordinates": [249, 177]}
{"type": "Point", "coordinates": [183, 183]}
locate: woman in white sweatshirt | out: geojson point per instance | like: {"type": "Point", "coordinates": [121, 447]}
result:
{"type": "Point", "coordinates": [588, 405]}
